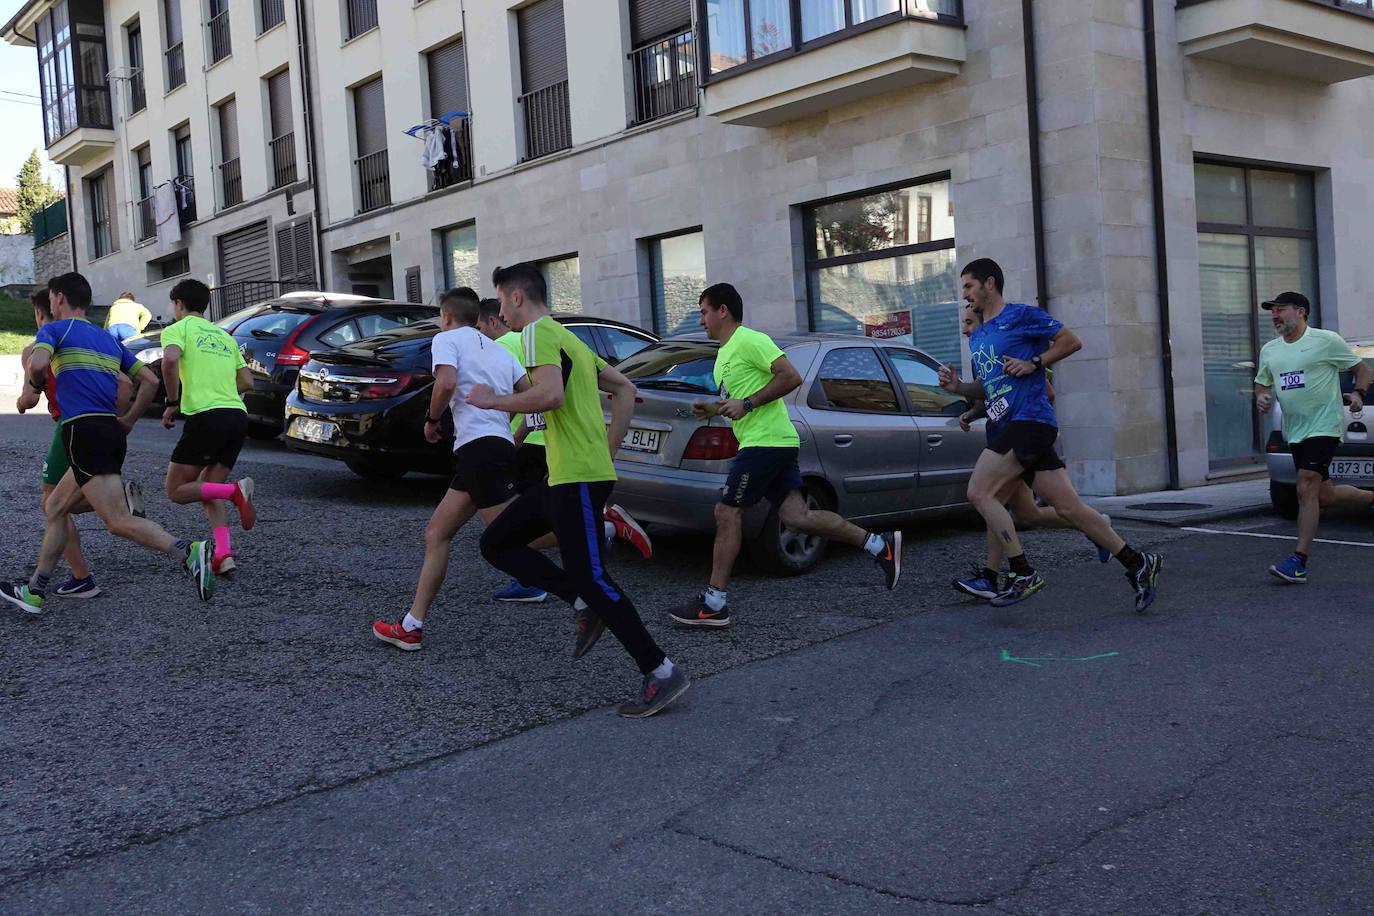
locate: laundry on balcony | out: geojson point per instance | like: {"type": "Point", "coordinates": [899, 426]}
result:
{"type": "Point", "coordinates": [444, 150]}
{"type": "Point", "coordinates": [165, 212]}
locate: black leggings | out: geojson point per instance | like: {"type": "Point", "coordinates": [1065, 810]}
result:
{"type": "Point", "coordinates": [572, 511]}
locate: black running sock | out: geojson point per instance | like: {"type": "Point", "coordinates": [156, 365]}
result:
{"type": "Point", "coordinates": [38, 583]}
{"type": "Point", "coordinates": [990, 574]}
{"type": "Point", "coordinates": [182, 546]}
{"type": "Point", "coordinates": [1301, 556]}
{"type": "Point", "coordinates": [1132, 559]}
{"type": "Point", "coordinates": [1020, 566]}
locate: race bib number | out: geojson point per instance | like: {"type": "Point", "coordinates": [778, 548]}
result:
{"type": "Point", "coordinates": [1291, 381]}
{"type": "Point", "coordinates": [997, 409]}
{"type": "Point", "coordinates": [534, 422]}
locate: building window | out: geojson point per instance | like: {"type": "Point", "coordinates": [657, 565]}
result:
{"type": "Point", "coordinates": [677, 275]}
{"type": "Point", "coordinates": [663, 58]}
{"type": "Point", "coordinates": [882, 265]}
{"type": "Point", "coordinates": [230, 174]}
{"type": "Point", "coordinates": [564, 279]}
{"type": "Point", "coordinates": [1256, 238]}
{"type": "Point", "coordinates": [281, 146]}
{"type": "Point", "coordinates": [217, 27]}
{"type": "Point", "coordinates": [138, 94]}
{"type": "Point", "coordinates": [98, 203]}
{"type": "Point", "coordinates": [184, 183]}
{"type": "Point", "coordinates": [459, 247]}
{"type": "Point", "coordinates": [174, 265]}
{"type": "Point", "coordinates": [175, 53]}
{"type": "Point", "coordinates": [146, 224]}
{"type": "Point", "coordinates": [72, 68]}
{"type": "Point", "coordinates": [271, 13]}
{"type": "Point", "coordinates": [360, 16]}
{"type": "Point", "coordinates": [373, 169]}
{"type": "Point", "coordinates": [447, 69]}
{"type": "Point", "coordinates": [544, 78]}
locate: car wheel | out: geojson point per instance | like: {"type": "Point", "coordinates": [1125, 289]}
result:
{"type": "Point", "coordinates": [370, 469]}
{"type": "Point", "coordinates": [1284, 497]}
{"type": "Point", "coordinates": [784, 552]}
{"type": "Point", "coordinates": [262, 431]}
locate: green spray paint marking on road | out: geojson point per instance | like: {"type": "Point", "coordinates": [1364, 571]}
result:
{"type": "Point", "coordinates": [1035, 662]}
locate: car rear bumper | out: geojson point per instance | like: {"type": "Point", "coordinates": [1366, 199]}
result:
{"type": "Point", "coordinates": [676, 498]}
{"type": "Point", "coordinates": [1282, 471]}
{"type": "Point", "coordinates": [370, 436]}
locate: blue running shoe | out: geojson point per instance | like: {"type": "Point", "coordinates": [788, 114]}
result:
{"type": "Point", "coordinates": [1019, 589]}
{"type": "Point", "coordinates": [1103, 554]}
{"type": "Point", "coordinates": [78, 588]}
{"type": "Point", "coordinates": [1144, 581]}
{"type": "Point", "coordinates": [1292, 570]}
{"type": "Point", "coordinates": [978, 585]}
{"type": "Point", "coordinates": [517, 592]}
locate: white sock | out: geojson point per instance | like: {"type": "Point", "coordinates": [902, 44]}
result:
{"type": "Point", "coordinates": [409, 623]}
{"type": "Point", "coordinates": [875, 544]}
{"type": "Point", "coordinates": [579, 605]}
{"type": "Point", "coordinates": [714, 598]}
{"type": "Point", "coordinates": [610, 530]}
{"type": "Point", "coordinates": [663, 670]}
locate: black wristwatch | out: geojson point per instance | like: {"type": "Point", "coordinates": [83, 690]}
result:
{"type": "Point", "coordinates": [1039, 363]}
{"type": "Point", "coordinates": [429, 420]}
{"type": "Point", "coordinates": [748, 404]}
{"type": "Point", "coordinates": [176, 403]}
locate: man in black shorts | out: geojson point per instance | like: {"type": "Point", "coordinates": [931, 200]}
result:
{"type": "Point", "coordinates": [206, 376]}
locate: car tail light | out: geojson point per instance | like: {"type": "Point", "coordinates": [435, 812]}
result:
{"type": "Point", "coordinates": [403, 382]}
{"type": "Point", "coordinates": [288, 354]}
{"type": "Point", "coordinates": [711, 443]}
{"type": "Point", "coordinates": [1276, 445]}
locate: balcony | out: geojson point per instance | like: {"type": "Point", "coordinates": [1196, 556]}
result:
{"type": "Point", "coordinates": [548, 120]}
{"type": "Point", "coordinates": [665, 77]}
{"type": "Point", "coordinates": [787, 78]}
{"type": "Point", "coordinates": [231, 182]}
{"type": "Point", "coordinates": [220, 45]}
{"type": "Point", "coordinates": [458, 167]}
{"type": "Point", "coordinates": [176, 66]}
{"type": "Point", "coordinates": [82, 146]}
{"type": "Point", "coordinates": [1324, 41]}
{"type": "Point", "coordinates": [147, 222]}
{"type": "Point", "coordinates": [283, 160]}
{"type": "Point", "coordinates": [374, 181]}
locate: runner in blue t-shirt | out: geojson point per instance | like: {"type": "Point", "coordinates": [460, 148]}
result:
{"type": "Point", "coordinates": [1010, 353]}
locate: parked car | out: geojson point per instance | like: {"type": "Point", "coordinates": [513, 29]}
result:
{"type": "Point", "coordinates": [1354, 461]}
{"type": "Point", "coordinates": [277, 336]}
{"type": "Point", "coordinates": [880, 441]}
{"type": "Point", "coordinates": [365, 403]}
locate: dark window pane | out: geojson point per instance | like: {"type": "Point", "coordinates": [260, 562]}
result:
{"type": "Point", "coordinates": [622, 343]}
{"type": "Point", "coordinates": [1228, 358]}
{"type": "Point", "coordinates": [1220, 194]}
{"type": "Point", "coordinates": [854, 379]}
{"type": "Point", "coordinates": [273, 323]}
{"type": "Point", "coordinates": [1282, 200]}
{"type": "Point", "coordinates": [906, 216]}
{"type": "Point", "coordinates": [678, 269]}
{"type": "Point", "coordinates": [1283, 264]}
{"type": "Point", "coordinates": [922, 383]}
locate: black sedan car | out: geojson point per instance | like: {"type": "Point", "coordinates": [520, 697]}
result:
{"type": "Point", "coordinates": [277, 337]}
{"type": "Point", "coordinates": [365, 403]}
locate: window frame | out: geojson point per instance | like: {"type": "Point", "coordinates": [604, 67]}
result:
{"type": "Point", "coordinates": [654, 256]}
{"type": "Point", "coordinates": [98, 190]}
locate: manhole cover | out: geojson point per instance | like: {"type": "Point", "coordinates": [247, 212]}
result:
{"type": "Point", "coordinates": [1168, 507]}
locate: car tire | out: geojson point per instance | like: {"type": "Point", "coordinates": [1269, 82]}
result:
{"type": "Point", "coordinates": [790, 553]}
{"type": "Point", "coordinates": [369, 469]}
{"type": "Point", "coordinates": [1284, 497]}
{"type": "Point", "coordinates": [263, 431]}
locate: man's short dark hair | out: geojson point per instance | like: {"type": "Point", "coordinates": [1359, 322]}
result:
{"type": "Point", "coordinates": [75, 287]}
{"type": "Point", "coordinates": [194, 295]}
{"type": "Point", "coordinates": [723, 295]}
{"type": "Point", "coordinates": [984, 269]}
{"type": "Point", "coordinates": [39, 298]}
{"type": "Point", "coordinates": [462, 305]}
{"type": "Point", "coordinates": [490, 308]}
{"type": "Point", "coordinates": [525, 277]}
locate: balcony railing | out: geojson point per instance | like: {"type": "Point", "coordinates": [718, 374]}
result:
{"type": "Point", "coordinates": [138, 93]}
{"type": "Point", "coordinates": [231, 182]}
{"type": "Point", "coordinates": [362, 17]}
{"type": "Point", "coordinates": [665, 77]}
{"type": "Point", "coordinates": [374, 181]}
{"type": "Point", "coordinates": [271, 13]}
{"type": "Point", "coordinates": [176, 66]}
{"type": "Point", "coordinates": [231, 297]}
{"type": "Point", "coordinates": [458, 167]}
{"type": "Point", "coordinates": [283, 160]}
{"type": "Point", "coordinates": [219, 37]}
{"type": "Point", "coordinates": [185, 189]}
{"type": "Point", "coordinates": [548, 120]}
{"type": "Point", "coordinates": [147, 222]}
{"type": "Point", "coordinates": [1360, 7]}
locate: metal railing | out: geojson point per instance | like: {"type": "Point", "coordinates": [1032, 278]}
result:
{"type": "Point", "coordinates": [231, 182]}
{"type": "Point", "coordinates": [447, 175]}
{"type": "Point", "coordinates": [138, 93]}
{"type": "Point", "coordinates": [176, 66]}
{"type": "Point", "coordinates": [374, 181]}
{"type": "Point", "coordinates": [218, 27]}
{"type": "Point", "coordinates": [186, 213]}
{"type": "Point", "coordinates": [283, 160]}
{"type": "Point", "coordinates": [362, 17]}
{"type": "Point", "coordinates": [147, 221]}
{"type": "Point", "coordinates": [50, 222]}
{"type": "Point", "coordinates": [230, 297]}
{"type": "Point", "coordinates": [1358, 7]}
{"type": "Point", "coordinates": [271, 13]}
{"type": "Point", "coordinates": [548, 120]}
{"type": "Point", "coordinates": [665, 77]}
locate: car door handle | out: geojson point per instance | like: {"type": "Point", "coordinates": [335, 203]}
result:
{"type": "Point", "coordinates": [934, 440]}
{"type": "Point", "coordinates": [843, 439]}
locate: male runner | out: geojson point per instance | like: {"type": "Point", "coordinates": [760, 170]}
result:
{"type": "Point", "coordinates": [206, 376]}
{"type": "Point", "coordinates": [1010, 353]}
{"type": "Point", "coordinates": [754, 375]}
{"type": "Point", "coordinates": [564, 380]}
{"type": "Point", "coordinates": [87, 362]}
{"type": "Point", "coordinates": [1307, 363]}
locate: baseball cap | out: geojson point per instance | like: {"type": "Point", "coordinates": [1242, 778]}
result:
{"type": "Point", "coordinates": [1297, 300]}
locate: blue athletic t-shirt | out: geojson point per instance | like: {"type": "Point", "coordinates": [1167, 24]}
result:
{"type": "Point", "coordinates": [1023, 332]}
{"type": "Point", "coordinates": [86, 361]}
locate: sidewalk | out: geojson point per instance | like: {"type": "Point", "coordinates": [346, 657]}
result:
{"type": "Point", "coordinates": [1177, 508]}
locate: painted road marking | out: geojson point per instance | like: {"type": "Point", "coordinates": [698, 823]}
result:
{"type": "Point", "coordinates": [1277, 537]}
{"type": "Point", "coordinates": [1035, 661]}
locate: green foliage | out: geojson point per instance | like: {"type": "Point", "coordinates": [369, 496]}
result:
{"type": "Point", "coordinates": [35, 191]}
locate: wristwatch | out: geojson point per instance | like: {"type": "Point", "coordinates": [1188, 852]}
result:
{"type": "Point", "coordinates": [176, 403]}
{"type": "Point", "coordinates": [748, 404]}
{"type": "Point", "coordinates": [1039, 363]}
{"type": "Point", "coordinates": [429, 420]}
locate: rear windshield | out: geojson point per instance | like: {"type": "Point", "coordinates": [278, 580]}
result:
{"type": "Point", "coordinates": [228, 322]}
{"type": "Point", "coordinates": [674, 366]}
{"type": "Point", "coordinates": [275, 322]}
{"type": "Point", "coordinates": [1348, 378]}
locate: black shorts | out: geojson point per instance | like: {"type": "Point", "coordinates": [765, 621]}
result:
{"type": "Point", "coordinates": [1032, 444]}
{"type": "Point", "coordinates": [484, 469]}
{"type": "Point", "coordinates": [211, 437]}
{"type": "Point", "coordinates": [95, 447]}
{"type": "Point", "coordinates": [1315, 454]}
{"type": "Point", "coordinates": [531, 467]}
{"type": "Point", "coordinates": [762, 473]}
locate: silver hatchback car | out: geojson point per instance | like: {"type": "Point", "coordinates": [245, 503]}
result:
{"type": "Point", "coordinates": [880, 441]}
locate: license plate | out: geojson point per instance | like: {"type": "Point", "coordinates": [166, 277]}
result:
{"type": "Point", "coordinates": [640, 440]}
{"type": "Point", "coordinates": [314, 430]}
{"type": "Point", "coordinates": [1353, 468]}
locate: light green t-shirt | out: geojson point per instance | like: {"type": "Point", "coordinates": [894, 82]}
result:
{"type": "Point", "coordinates": [577, 450]}
{"type": "Point", "coordinates": [743, 367]}
{"type": "Point", "coordinates": [511, 341]}
{"type": "Point", "coordinates": [208, 367]}
{"type": "Point", "coordinates": [1305, 376]}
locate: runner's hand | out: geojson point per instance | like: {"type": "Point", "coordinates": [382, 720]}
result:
{"type": "Point", "coordinates": [169, 417]}
{"type": "Point", "coordinates": [965, 421]}
{"type": "Point", "coordinates": [126, 422]}
{"type": "Point", "coordinates": [704, 410]}
{"type": "Point", "coordinates": [482, 396]}
{"type": "Point", "coordinates": [732, 409]}
{"type": "Point", "coordinates": [433, 434]}
{"type": "Point", "coordinates": [949, 379]}
{"type": "Point", "coordinates": [1017, 368]}
{"type": "Point", "coordinates": [1356, 403]}
{"type": "Point", "coordinates": [1264, 402]}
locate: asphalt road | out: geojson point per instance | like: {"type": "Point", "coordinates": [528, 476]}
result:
{"type": "Point", "coordinates": [843, 748]}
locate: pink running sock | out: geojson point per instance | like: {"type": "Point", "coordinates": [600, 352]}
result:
{"type": "Point", "coordinates": [209, 491]}
{"type": "Point", "coordinates": [222, 548]}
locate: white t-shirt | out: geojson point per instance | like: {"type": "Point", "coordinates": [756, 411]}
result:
{"type": "Point", "coordinates": [477, 360]}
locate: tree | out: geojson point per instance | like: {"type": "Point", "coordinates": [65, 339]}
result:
{"type": "Point", "coordinates": [35, 191]}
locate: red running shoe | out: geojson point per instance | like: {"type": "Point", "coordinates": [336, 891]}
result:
{"type": "Point", "coordinates": [627, 529]}
{"type": "Point", "coordinates": [397, 635]}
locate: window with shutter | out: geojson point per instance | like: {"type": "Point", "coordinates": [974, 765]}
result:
{"type": "Point", "coordinates": [651, 20]}
{"type": "Point", "coordinates": [279, 103]}
{"type": "Point", "coordinates": [228, 131]}
{"type": "Point", "coordinates": [413, 293]}
{"type": "Point", "coordinates": [369, 114]}
{"type": "Point", "coordinates": [543, 45]}
{"type": "Point", "coordinates": [448, 79]}
{"type": "Point", "coordinates": [296, 255]}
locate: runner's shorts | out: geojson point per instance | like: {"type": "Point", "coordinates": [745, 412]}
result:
{"type": "Point", "coordinates": [212, 437]}
{"type": "Point", "coordinates": [55, 465]}
{"type": "Point", "coordinates": [531, 467]}
{"type": "Point", "coordinates": [1315, 454]}
{"type": "Point", "coordinates": [95, 446]}
{"type": "Point", "coordinates": [1032, 444]}
{"type": "Point", "coordinates": [485, 470]}
{"type": "Point", "coordinates": [762, 472]}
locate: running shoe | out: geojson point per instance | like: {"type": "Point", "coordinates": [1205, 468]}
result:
{"type": "Point", "coordinates": [21, 596]}
{"type": "Point", "coordinates": [699, 614]}
{"type": "Point", "coordinates": [523, 593]}
{"type": "Point", "coordinates": [1144, 581]}
{"type": "Point", "coordinates": [1292, 570]}
{"type": "Point", "coordinates": [133, 496]}
{"type": "Point", "coordinates": [397, 635]}
{"type": "Point", "coordinates": [77, 588]}
{"type": "Point", "coordinates": [890, 560]}
{"type": "Point", "coordinates": [1103, 554]}
{"type": "Point", "coordinates": [248, 515]}
{"type": "Point", "coordinates": [225, 565]}
{"type": "Point", "coordinates": [656, 694]}
{"type": "Point", "coordinates": [590, 626]}
{"type": "Point", "coordinates": [627, 529]}
{"type": "Point", "coordinates": [200, 562]}
{"type": "Point", "coordinates": [1019, 589]}
{"type": "Point", "coordinates": [978, 585]}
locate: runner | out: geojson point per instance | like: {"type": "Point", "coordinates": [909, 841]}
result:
{"type": "Point", "coordinates": [754, 375]}
{"type": "Point", "coordinates": [87, 362]}
{"type": "Point", "coordinates": [1010, 353]}
{"type": "Point", "coordinates": [205, 377]}
{"type": "Point", "coordinates": [126, 318]}
{"type": "Point", "coordinates": [564, 379]}
{"type": "Point", "coordinates": [1307, 363]}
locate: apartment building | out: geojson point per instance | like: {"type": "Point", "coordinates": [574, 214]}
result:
{"type": "Point", "coordinates": [1159, 170]}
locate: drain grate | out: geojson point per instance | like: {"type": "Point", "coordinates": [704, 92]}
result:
{"type": "Point", "coordinates": [1168, 507]}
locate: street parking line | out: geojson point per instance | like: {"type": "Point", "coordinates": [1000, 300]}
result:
{"type": "Point", "coordinates": [1278, 537]}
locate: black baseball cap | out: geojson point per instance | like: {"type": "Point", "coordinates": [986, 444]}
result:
{"type": "Point", "coordinates": [1297, 300]}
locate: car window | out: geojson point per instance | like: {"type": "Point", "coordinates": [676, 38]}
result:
{"type": "Point", "coordinates": [1366, 353]}
{"type": "Point", "coordinates": [343, 333]}
{"type": "Point", "coordinates": [585, 333]}
{"type": "Point", "coordinates": [623, 344]}
{"type": "Point", "coordinates": [228, 322]}
{"type": "Point", "coordinates": [921, 379]}
{"type": "Point", "coordinates": [674, 366]}
{"type": "Point", "coordinates": [852, 378]}
{"type": "Point", "coordinates": [273, 323]}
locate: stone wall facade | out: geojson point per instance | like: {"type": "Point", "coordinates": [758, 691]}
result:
{"type": "Point", "coordinates": [16, 259]}
{"type": "Point", "coordinates": [53, 257]}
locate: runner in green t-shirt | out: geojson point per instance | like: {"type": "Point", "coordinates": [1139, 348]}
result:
{"type": "Point", "coordinates": [1306, 364]}
{"type": "Point", "coordinates": [566, 381]}
{"type": "Point", "coordinates": [205, 377]}
{"type": "Point", "coordinates": [754, 376]}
